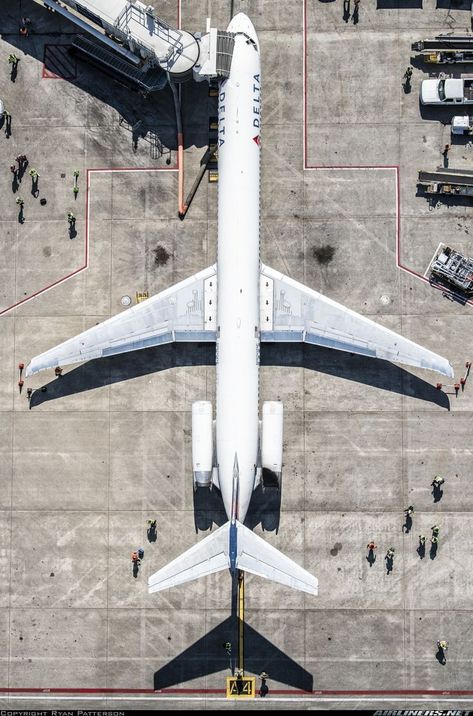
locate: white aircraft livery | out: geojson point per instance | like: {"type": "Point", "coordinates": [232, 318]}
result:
{"type": "Point", "coordinates": [238, 303]}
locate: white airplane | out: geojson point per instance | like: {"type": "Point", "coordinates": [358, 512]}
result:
{"type": "Point", "coordinates": [237, 303]}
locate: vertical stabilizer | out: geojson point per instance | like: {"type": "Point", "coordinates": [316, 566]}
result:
{"type": "Point", "coordinates": [232, 533]}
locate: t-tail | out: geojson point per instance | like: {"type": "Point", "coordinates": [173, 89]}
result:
{"type": "Point", "coordinates": [233, 546]}
{"type": "Point", "coordinates": [233, 531]}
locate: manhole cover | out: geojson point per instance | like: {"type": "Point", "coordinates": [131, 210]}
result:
{"type": "Point", "coordinates": [125, 301]}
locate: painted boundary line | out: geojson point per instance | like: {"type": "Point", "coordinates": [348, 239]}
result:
{"type": "Point", "coordinates": [87, 212]}
{"type": "Point", "coordinates": [394, 168]}
{"type": "Point", "coordinates": [49, 74]}
{"type": "Point", "coordinates": [220, 695]}
{"type": "Point", "coordinates": [85, 265]}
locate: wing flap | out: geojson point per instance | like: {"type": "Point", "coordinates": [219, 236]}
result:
{"type": "Point", "coordinates": [293, 312]}
{"type": "Point", "coordinates": [180, 313]}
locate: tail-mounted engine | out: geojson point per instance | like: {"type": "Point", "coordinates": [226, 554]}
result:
{"type": "Point", "coordinates": [271, 443]}
{"type": "Point", "coordinates": [202, 443]}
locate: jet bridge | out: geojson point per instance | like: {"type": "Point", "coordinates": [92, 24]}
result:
{"type": "Point", "coordinates": [127, 38]}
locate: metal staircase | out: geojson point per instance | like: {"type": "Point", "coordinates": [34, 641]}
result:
{"type": "Point", "coordinates": [150, 80]}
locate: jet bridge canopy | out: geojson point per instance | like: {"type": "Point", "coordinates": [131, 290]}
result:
{"type": "Point", "coordinates": [135, 25]}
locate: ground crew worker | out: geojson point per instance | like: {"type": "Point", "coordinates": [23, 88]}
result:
{"type": "Point", "coordinates": [435, 530]}
{"type": "Point", "coordinates": [263, 688]}
{"type": "Point", "coordinates": [437, 481]}
{"type": "Point", "coordinates": [134, 557]}
{"type": "Point", "coordinates": [228, 647]}
{"type": "Point", "coordinates": [446, 149]}
{"type": "Point", "coordinates": [75, 189]}
{"type": "Point", "coordinates": [442, 645]}
{"type": "Point", "coordinates": [58, 370]}
{"type": "Point", "coordinates": [409, 511]}
{"type": "Point", "coordinates": [76, 172]}
{"type": "Point", "coordinates": [33, 174]}
{"type": "Point", "coordinates": [12, 59]}
{"type": "Point", "coordinates": [421, 540]}
{"type": "Point", "coordinates": [141, 552]}
{"type": "Point", "coordinates": [435, 539]}
{"type": "Point", "coordinates": [152, 524]}
{"type": "Point", "coordinates": [371, 546]}
{"type": "Point", "coordinates": [19, 201]}
{"type": "Point", "coordinates": [408, 74]}
{"type": "Point", "coordinates": [70, 217]}
{"type": "Point", "coordinates": [13, 168]}
{"type": "Point", "coordinates": [390, 553]}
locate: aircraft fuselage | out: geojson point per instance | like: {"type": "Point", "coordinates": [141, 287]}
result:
{"type": "Point", "coordinates": [238, 268]}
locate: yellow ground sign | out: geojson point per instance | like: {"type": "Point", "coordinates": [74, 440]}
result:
{"type": "Point", "coordinates": [241, 688]}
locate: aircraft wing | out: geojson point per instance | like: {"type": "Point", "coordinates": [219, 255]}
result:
{"type": "Point", "coordinates": [186, 311]}
{"type": "Point", "coordinates": [290, 311]}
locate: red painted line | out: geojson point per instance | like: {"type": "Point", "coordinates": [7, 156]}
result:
{"type": "Point", "coordinates": [49, 74]}
{"type": "Point", "coordinates": [86, 233]}
{"type": "Point", "coordinates": [396, 167]}
{"type": "Point", "coordinates": [42, 290]}
{"type": "Point", "coordinates": [131, 169]}
{"type": "Point", "coordinates": [280, 692]}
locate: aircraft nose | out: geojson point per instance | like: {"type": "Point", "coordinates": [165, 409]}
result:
{"type": "Point", "coordinates": [242, 23]}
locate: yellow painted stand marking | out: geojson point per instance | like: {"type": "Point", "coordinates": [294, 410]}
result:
{"type": "Point", "coordinates": [243, 688]}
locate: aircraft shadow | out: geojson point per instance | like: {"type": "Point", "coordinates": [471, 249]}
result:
{"type": "Point", "coordinates": [156, 112]}
{"type": "Point", "coordinates": [264, 509]}
{"type": "Point", "coordinates": [115, 369]}
{"type": "Point", "coordinates": [208, 656]}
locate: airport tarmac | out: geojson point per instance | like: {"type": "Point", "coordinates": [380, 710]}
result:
{"type": "Point", "coordinates": [107, 446]}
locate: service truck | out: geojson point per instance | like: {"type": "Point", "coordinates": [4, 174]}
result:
{"type": "Point", "coordinates": [447, 91]}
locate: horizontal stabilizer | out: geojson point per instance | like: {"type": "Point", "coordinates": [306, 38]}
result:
{"type": "Point", "coordinates": [212, 554]}
{"type": "Point", "coordinates": [257, 556]}
{"type": "Point", "coordinates": [206, 557]}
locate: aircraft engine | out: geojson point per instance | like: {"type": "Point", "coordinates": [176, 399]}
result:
{"type": "Point", "coordinates": [202, 443]}
{"type": "Point", "coordinates": [271, 443]}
